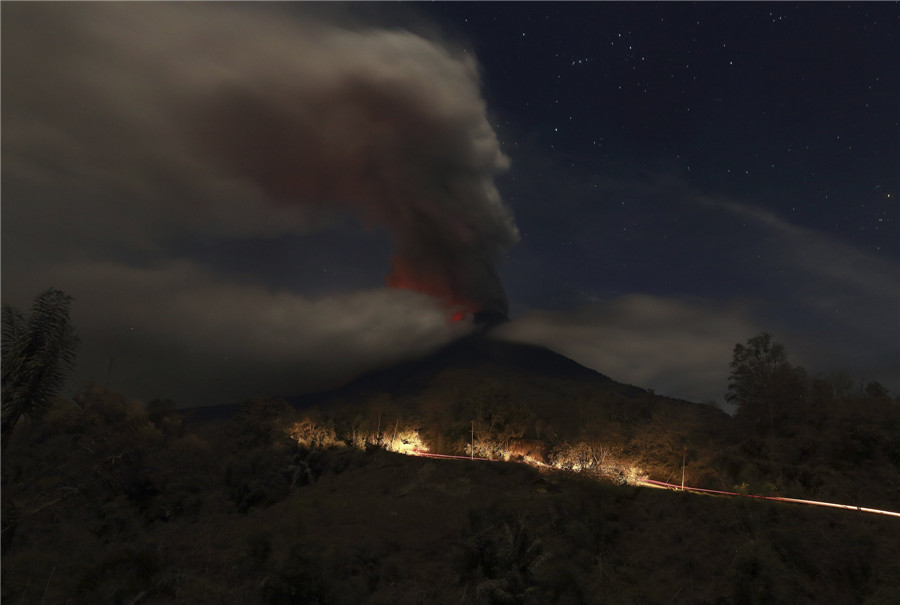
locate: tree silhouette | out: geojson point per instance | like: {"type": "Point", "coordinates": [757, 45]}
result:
{"type": "Point", "coordinates": [38, 354]}
{"type": "Point", "coordinates": [762, 384]}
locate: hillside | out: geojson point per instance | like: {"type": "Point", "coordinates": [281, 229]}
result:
{"type": "Point", "coordinates": [235, 513]}
{"type": "Point", "coordinates": [106, 501]}
{"type": "Point", "coordinates": [495, 393]}
{"type": "Point", "coordinates": [832, 440]}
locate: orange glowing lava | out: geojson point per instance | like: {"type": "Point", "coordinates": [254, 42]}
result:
{"type": "Point", "coordinates": [406, 277]}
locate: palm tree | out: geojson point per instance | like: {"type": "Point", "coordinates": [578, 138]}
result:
{"type": "Point", "coordinates": [38, 354]}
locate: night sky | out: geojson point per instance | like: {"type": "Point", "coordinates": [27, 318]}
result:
{"type": "Point", "coordinates": [230, 191]}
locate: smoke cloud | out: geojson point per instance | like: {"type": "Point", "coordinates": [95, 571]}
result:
{"type": "Point", "coordinates": [388, 124]}
{"type": "Point", "coordinates": [678, 347]}
{"type": "Point", "coordinates": [136, 134]}
{"type": "Point", "coordinates": [227, 104]}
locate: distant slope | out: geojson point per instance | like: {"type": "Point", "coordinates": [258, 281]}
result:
{"type": "Point", "coordinates": [474, 353]}
{"type": "Point", "coordinates": [549, 383]}
{"type": "Point", "coordinates": [554, 398]}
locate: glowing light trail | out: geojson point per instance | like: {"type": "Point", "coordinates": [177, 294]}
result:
{"type": "Point", "coordinates": [664, 485]}
{"type": "Point", "coordinates": [652, 483]}
{"type": "Point", "coordinates": [417, 452]}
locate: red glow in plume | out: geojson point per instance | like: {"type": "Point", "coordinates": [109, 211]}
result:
{"type": "Point", "coordinates": [403, 276]}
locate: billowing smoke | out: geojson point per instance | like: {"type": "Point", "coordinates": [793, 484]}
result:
{"type": "Point", "coordinates": [387, 123]}
{"type": "Point", "coordinates": [222, 105]}
{"type": "Point", "coordinates": [186, 172]}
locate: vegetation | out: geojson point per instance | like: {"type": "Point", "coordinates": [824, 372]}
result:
{"type": "Point", "coordinates": [113, 507]}
{"type": "Point", "coordinates": [821, 437]}
{"type": "Point", "coordinates": [111, 501]}
{"type": "Point", "coordinates": [762, 383]}
{"type": "Point", "coordinates": [38, 354]}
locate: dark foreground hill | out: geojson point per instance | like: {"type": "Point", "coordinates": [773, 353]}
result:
{"type": "Point", "coordinates": [109, 502]}
{"type": "Point", "coordinates": [102, 507]}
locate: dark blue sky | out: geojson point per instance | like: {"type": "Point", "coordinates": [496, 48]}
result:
{"type": "Point", "coordinates": [724, 151]}
{"type": "Point", "coordinates": [793, 106]}
{"type": "Point", "coordinates": [223, 187]}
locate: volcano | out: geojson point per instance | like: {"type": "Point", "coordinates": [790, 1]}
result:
{"type": "Point", "coordinates": [551, 384]}
{"type": "Point", "coordinates": [477, 357]}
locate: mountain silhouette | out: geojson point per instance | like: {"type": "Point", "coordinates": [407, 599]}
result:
{"type": "Point", "coordinates": [531, 373]}
{"type": "Point", "coordinates": [476, 356]}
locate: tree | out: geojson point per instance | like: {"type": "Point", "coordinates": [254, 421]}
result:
{"type": "Point", "coordinates": [38, 355]}
{"type": "Point", "coordinates": [762, 384]}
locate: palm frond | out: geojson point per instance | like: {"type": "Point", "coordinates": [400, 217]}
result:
{"type": "Point", "coordinates": [38, 355]}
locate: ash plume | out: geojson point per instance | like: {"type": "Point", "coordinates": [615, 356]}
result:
{"type": "Point", "coordinates": [256, 118]}
{"type": "Point", "coordinates": [388, 124]}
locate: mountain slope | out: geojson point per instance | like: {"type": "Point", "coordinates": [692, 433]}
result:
{"type": "Point", "coordinates": [555, 390]}
{"type": "Point", "coordinates": [476, 353]}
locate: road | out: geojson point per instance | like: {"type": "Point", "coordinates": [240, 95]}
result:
{"type": "Point", "coordinates": [697, 490]}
